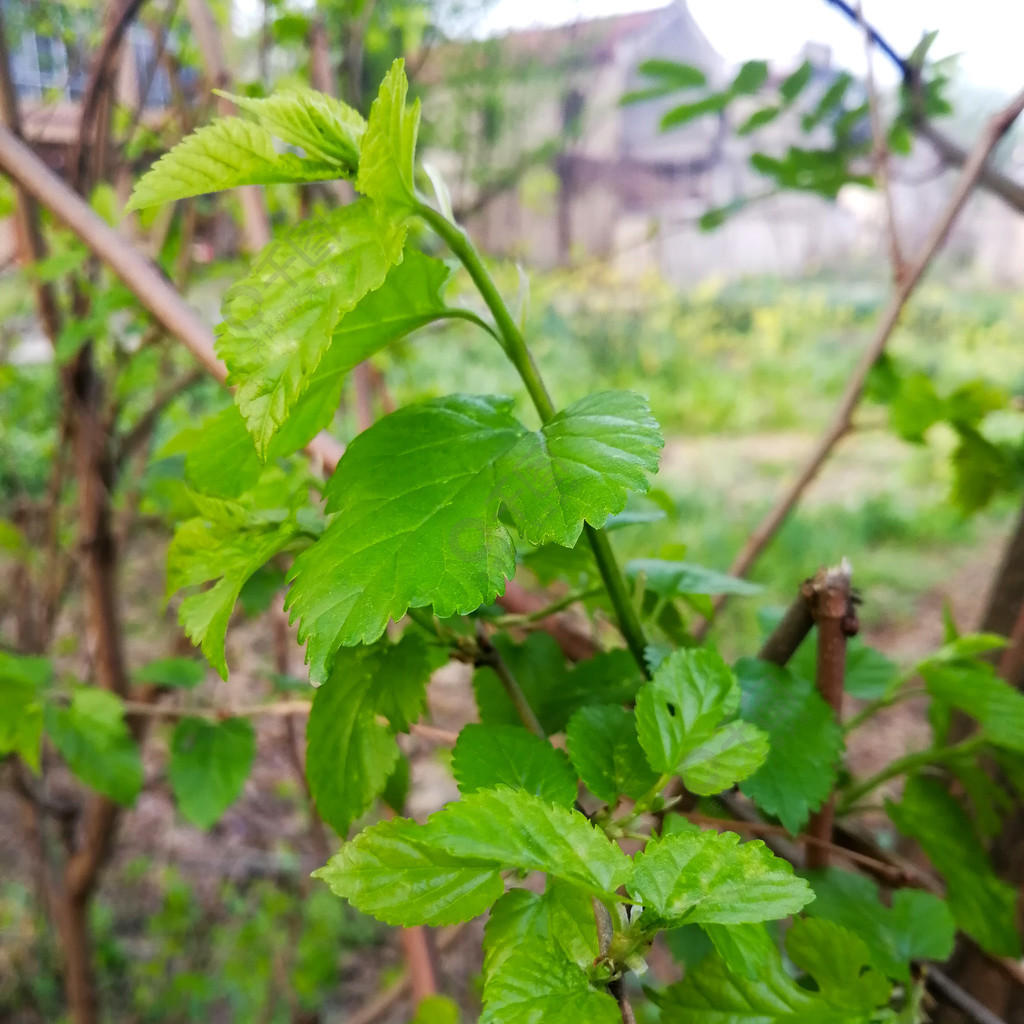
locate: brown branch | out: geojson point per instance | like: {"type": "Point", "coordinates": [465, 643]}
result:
{"type": "Point", "coordinates": [790, 633]}
{"type": "Point", "coordinates": [842, 419]}
{"type": "Point", "coordinates": [490, 656]}
{"type": "Point", "coordinates": [143, 427]}
{"type": "Point", "coordinates": [949, 991]}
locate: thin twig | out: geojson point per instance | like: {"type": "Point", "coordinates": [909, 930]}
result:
{"type": "Point", "coordinates": [143, 427]}
{"type": "Point", "coordinates": [842, 419]}
{"type": "Point", "coordinates": [491, 657]}
{"type": "Point", "coordinates": [949, 991]}
{"type": "Point", "coordinates": [790, 633]}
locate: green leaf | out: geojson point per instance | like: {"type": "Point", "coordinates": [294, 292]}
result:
{"type": "Point", "coordinates": [710, 878]}
{"type": "Point", "coordinates": [794, 84]}
{"type": "Point", "coordinates": [915, 407]}
{"type": "Point", "coordinates": [918, 926]}
{"type": "Point", "coordinates": [180, 673]}
{"type": "Point", "coordinates": [436, 1010]}
{"type": "Point", "coordinates": [350, 755]}
{"type": "Point", "coordinates": [426, 532]}
{"type": "Point", "coordinates": [974, 687]}
{"type": "Point", "coordinates": [676, 579]}
{"type": "Point", "coordinates": [838, 961]}
{"type": "Point", "coordinates": [280, 320]}
{"type": "Point", "coordinates": [796, 778]}
{"type": "Point", "coordinates": [327, 129]}
{"type": "Point", "coordinates": [561, 920]}
{"type": "Point", "coordinates": [980, 470]}
{"type": "Point", "coordinates": [679, 716]}
{"type": "Point", "coordinates": [686, 112]}
{"type": "Point", "coordinates": [535, 986]}
{"type": "Point", "coordinates": [983, 905]}
{"type": "Point", "coordinates": [580, 466]}
{"type": "Point", "coordinates": [388, 152]}
{"type": "Point", "coordinates": [673, 77]}
{"type": "Point", "coordinates": [22, 681]}
{"type": "Point", "coordinates": [745, 948]}
{"type": "Point", "coordinates": [750, 78]}
{"type": "Point", "coordinates": [606, 752]}
{"type": "Point", "coordinates": [388, 872]}
{"type": "Point", "coordinates": [555, 840]}
{"type": "Point", "coordinates": [869, 673]}
{"type": "Point", "coordinates": [225, 553]}
{"type": "Point", "coordinates": [492, 755]}
{"type": "Point", "coordinates": [209, 764]}
{"type": "Point", "coordinates": [430, 533]}
{"type": "Point", "coordinates": [223, 154]}
{"type": "Point", "coordinates": [92, 737]}
{"type": "Point", "coordinates": [758, 119]}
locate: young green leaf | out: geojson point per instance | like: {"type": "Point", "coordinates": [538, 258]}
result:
{"type": "Point", "coordinates": [388, 872]}
{"type": "Point", "coordinates": [388, 151]}
{"type": "Point", "coordinates": [350, 755]}
{"type": "Point", "coordinates": [210, 762]}
{"type": "Point", "coordinates": [436, 1010]}
{"type": "Point", "coordinates": [606, 753]}
{"type": "Point", "coordinates": [731, 754]}
{"type": "Point", "coordinates": [580, 466]}
{"type": "Point", "coordinates": [92, 737]}
{"type": "Point", "coordinates": [511, 828]}
{"type": "Point", "coordinates": [280, 320]}
{"type": "Point", "coordinates": [674, 579]}
{"type": "Point", "coordinates": [486, 756]}
{"type": "Point", "coordinates": [918, 925]}
{"type": "Point", "coordinates": [22, 681]}
{"type": "Point", "coordinates": [324, 127]}
{"type": "Point", "coordinates": [984, 906]}
{"type": "Point", "coordinates": [796, 777]}
{"type": "Point", "coordinates": [710, 878]}
{"type": "Point", "coordinates": [223, 154]}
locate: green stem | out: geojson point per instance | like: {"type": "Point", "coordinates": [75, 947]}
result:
{"type": "Point", "coordinates": [514, 346]}
{"type": "Point", "coordinates": [909, 763]}
{"type": "Point", "coordinates": [489, 655]}
{"type": "Point", "coordinates": [552, 609]}
{"type": "Point", "coordinates": [872, 709]}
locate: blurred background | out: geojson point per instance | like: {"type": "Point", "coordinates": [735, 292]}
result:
{"type": "Point", "coordinates": [693, 193]}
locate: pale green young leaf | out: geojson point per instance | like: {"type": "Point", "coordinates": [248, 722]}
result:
{"type": "Point", "coordinates": [839, 962]}
{"type": "Point", "coordinates": [535, 985]}
{"type": "Point", "coordinates": [984, 906]}
{"type": "Point", "coordinates": [350, 755]}
{"type": "Point", "coordinates": [606, 753]}
{"type": "Point", "coordinates": [388, 150]}
{"type": "Point", "coordinates": [92, 737]}
{"type": "Point", "coordinates": [682, 706]}
{"type": "Point", "coordinates": [710, 878]}
{"type": "Point", "coordinates": [559, 919]}
{"type": "Point", "coordinates": [180, 673]}
{"type": "Point", "coordinates": [436, 1010]}
{"type": "Point", "coordinates": [580, 466]}
{"type": "Point", "coordinates": [513, 829]}
{"type": "Point", "coordinates": [796, 777]}
{"type": "Point", "coordinates": [209, 764]}
{"type": "Point", "coordinates": [918, 925]}
{"type": "Point", "coordinates": [223, 154]}
{"type": "Point", "coordinates": [387, 871]}
{"type": "Point", "coordinates": [424, 532]}
{"type": "Point", "coordinates": [486, 756]}
{"type": "Point", "coordinates": [974, 687]}
{"type": "Point", "coordinates": [323, 127]}
{"type": "Point", "coordinates": [280, 319]}
{"type": "Point", "coordinates": [734, 752]}
{"type": "Point", "coordinates": [22, 681]}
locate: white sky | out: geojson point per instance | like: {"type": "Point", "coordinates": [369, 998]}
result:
{"type": "Point", "coordinates": [988, 33]}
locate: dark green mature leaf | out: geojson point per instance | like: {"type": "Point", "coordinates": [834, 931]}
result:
{"type": "Point", "coordinates": [607, 754]}
{"type": "Point", "coordinates": [580, 466]}
{"type": "Point", "coordinates": [537, 985]}
{"type": "Point", "coordinates": [974, 687]}
{"type": "Point", "coordinates": [92, 737]}
{"type": "Point", "coordinates": [492, 755]}
{"type": "Point", "coordinates": [324, 127]}
{"type": "Point", "coordinates": [350, 755]}
{"type": "Point", "coordinates": [280, 319]}
{"type": "Point", "coordinates": [223, 154]}
{"type": "Point", "coordinates": [181, 673]}
{"type": "Point", "coordinates": [22, 681]}
{"type": "Point", "coordinates": [869, 673]}
{"type": "Point", "coordinates": [511, 828]}
{"type": "Point", "coordinates": [210, 762]}
{"type": "Point", "coordinates": [388, 150]}
{"type": "Point", "coordinates": [388, 872]}
{"type": "Point", "coordinates": [429, 531]}
{"type": "Point", "coordinates": [675, 579]}
{"type": "Point", "coordinates": [795, 83]}
{"type": "Point", "coordinates": [745, 948]}
{"type": "Point", "coordinates": [918, 925]}
{"type": "Point", "coordinates": [710, 878]}
{"type": "Point", "coordinates": [750, 78]}
{"type": "Point", "coordinates": [983, 905]}
{"type": "Point", "coordinates": [838, 960]}
{"type": "Point", "coordinates": [679, 716]}
{"type": "Point", "coordinates": [797, 776]}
